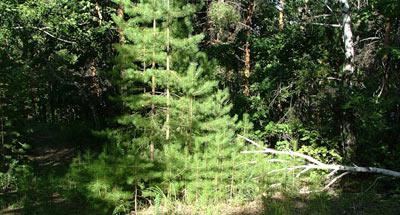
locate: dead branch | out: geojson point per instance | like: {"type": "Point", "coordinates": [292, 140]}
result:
{"type": "Point", "coordinates": [334, 180]}
{"type": "Point", "coordinates": [43, 29]}
{"type": "Point", "coordinates": [326, 24]}
{"type": "Point", "coordinates": [98, 10]}
{"type": "Point", "coordinates": [303, 171]}
{"type": "Point", "coordinates": [332, 173]}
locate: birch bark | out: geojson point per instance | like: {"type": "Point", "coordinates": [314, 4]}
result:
{"type": "Point", "coordinates": [348, 67]}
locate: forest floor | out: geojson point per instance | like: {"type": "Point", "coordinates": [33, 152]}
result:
{"type": "Point", "coordinates": [51, 161]}
{"type": "Point", "coordinates": [281, 204]}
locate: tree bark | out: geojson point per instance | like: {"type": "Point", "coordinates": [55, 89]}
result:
{"type": "Point", "coordinates": [385, 58]}
{"type": "Point", "coordinates": [95, 91]}
{"type": "Point", "coordinates": [190, 147]}
{"type": "Point", "coordinates": [98, 10]}
{"type": "Point", "coordinates": [348, 67]}
{"type": "Point", "coordinates": [247, 50]}
{"type": "Point", "coordinates": [120, 13]}
{"type": "Point", "coordinates": [167, 129]}
{"type": "Point", "coordinates": [153, 82]}
{"type": "Point", "coordinates": [281, 15]}
{"type": "Point", "coordinates": [348, 134]}
{"type": "Point", "coordinates": [2, 122]}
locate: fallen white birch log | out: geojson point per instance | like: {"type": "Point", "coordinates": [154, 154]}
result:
{"type": "Point", "coordinates": [315, 164]}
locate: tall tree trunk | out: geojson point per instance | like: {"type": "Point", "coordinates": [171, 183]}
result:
{"type": "Point", "coordinates": [153, 81]}
{"type": "Point", "coordinates": [348, 67]}
{"type": "Point", "coordinates": [247, 67]}
{"type": "Point", "coordinates": [2, 123]}
{"type": "Point", "coordinates": [95, 92]}
{"type": "Point", "coordinates": [281, 15]}
{"type": "Point", "coordinates": [167, 129]}
{"type": "Point", "coordinates": [2, 134]}
{"type": "Point", "coordinates": [52, 98]}
{"type": "Point", "coordinates": [247, 50]}
{"type": "Point", "coordinates": [348, 133]}
{"type": "Point", "coordinates": [120, 13]}
{"type": "Point", "coordinates": [136, 200]}
{"type": "Point", "coordinates": [190, 147]}
{"type": "Point", "coordinates": [385, 58]}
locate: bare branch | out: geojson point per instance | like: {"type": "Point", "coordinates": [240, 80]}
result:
{"type": "Point", "coordinates": [369, 38]}
{"type": "Point", "coordinates": [322, 15]}
{"type": "Point", "coordinates": [373, 184]}
{"type": "Point", "coordinates": [43, 29]}
{"type": "Point", "coordinates": [98, 10]}
{"type": "Point", "coordinates": [273, 151]}
{"type": "Point", "coordinates": [332, 173]}
{"type": "Point", "coordinates": [303, 171]}
{"type": "Point", "coordinates": [334, 180]}
{"type": "Point", "coordinates": [326, 24]}
{"type": "Point", "coordinates": [57, 38]}
{"type": "Point", "coordinates": [250, 141]}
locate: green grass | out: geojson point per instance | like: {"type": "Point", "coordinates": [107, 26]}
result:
{"type": "Point", "coordinates": [47, 190]}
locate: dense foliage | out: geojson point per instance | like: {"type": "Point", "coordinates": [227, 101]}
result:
{"type": "Point", "coordinates": [145, 98]}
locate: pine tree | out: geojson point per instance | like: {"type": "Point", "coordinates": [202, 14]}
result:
{"type": "Point", "coordinates": [148, 58]}
{"type": "Point", "coordinates": [175, 113]}
{"type": "Point", "coordinates": [143, 55]}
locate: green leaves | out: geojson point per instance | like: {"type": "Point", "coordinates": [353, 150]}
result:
{"type": "Point", "coordinates": [68, 57]}
{"type": "Point", "coordinates": [223, 15]}
{"type": "Point", "coordinates": [395, 51]}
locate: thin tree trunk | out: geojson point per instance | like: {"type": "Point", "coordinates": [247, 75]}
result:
{"type": "Point", "coordinates": [167, 120]}
{"type": "Point", "coordinates": [348, 67]}
{"type": "Point", "coordinates": [120, 13]}
{"type": "Point", "coordinates": [247, 51]}
{"type": "Point", "coordinates": [385, 59]}
{"type": "Point", "coordinates": [144, 64]}
{"type": "Point", "coordinates": [247, 66]}
{"type": "Point", "coordinates": [33, 91]}
{"type": "Point", "coordinates": [348, 137]}
{"type": "Point", "coordinates": [190, 123]}
{"type": "Point", "coordinates": [95, 90]}
{"type": "Point", "coordinates": [348, 134]}
{"type": "Point", "coordinates": [51, 104]}
{"type": "Point", "coordinates": [136, 193]}
{"type": "Point", "coordinates": [153, 81]}
{"type": "Point", "coordinates": [2, 119]}
{"type": "Point", "coordinates": [98, 10]}
{"type": "Point", "coordinates": [2, 138]}
{"type": "Point", "coordinates": [281, 15]}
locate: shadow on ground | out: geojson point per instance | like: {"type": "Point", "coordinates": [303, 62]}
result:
{"type": "Point", "coordinates": [324, 203]}
{"type": "Point", "coordinates": [45, 189]}
{"type": "Point", "coordinates": [46, 192]}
